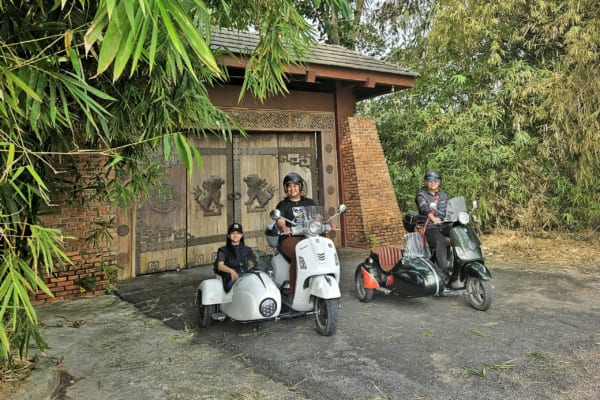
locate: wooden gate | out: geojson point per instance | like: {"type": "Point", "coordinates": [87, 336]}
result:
{"type": "Point", "coordinates": [185, 223]}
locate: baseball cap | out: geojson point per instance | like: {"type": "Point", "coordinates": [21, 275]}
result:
{"type": "Point", "coordinates": [235, 227]}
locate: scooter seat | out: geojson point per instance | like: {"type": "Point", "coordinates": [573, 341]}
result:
{"type": "Point", "coordinates": [388, 256]}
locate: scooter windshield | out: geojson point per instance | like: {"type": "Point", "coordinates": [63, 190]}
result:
{"type": "Point", "coordinates": [414, 245]}
{"type": "Point", "coordinates": [310, 221]}
{"type": "Point", "coordinates": [456, 205]}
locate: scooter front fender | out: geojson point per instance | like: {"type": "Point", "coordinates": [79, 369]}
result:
{"type": "Point", "coordinates": [478, 270]}
{"type": "Point", "coordinates": [325, 287]}
{"type": "Point", "coordinates": [369, 280]}
{"type": "Point", "coordinates": [213, 292]}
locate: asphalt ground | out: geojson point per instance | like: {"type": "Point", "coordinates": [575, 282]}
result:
{"type": "Point", "coordinates": [540, 340]}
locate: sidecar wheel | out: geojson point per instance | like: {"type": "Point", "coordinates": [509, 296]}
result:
{"type": "Point", "coordinates": [205, 312]}
{"type": "Point", "coordinates": [480, 293]}
{"type": "Point", "coordinates": [326, 315]}
{"type": "Point", "coordinates": [365, 295]}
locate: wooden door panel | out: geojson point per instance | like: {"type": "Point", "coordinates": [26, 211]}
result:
{"type": "Point", "coordinates": [209, 204]}
{"type": "Point", "coordinates": [160, 225]}
{"type": "Point", "coordinates": [259, 180]}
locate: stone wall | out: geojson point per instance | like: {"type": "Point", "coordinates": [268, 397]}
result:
{"type": "Point", "coordinates": [373, 217]}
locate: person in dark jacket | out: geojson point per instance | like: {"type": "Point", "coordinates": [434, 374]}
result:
{"type": "Point", "coordinates": [292, 208]}
{"type": "Point", "coordinates": [235, 257]}
{"type": "Point", "coordinates": [432, 203]}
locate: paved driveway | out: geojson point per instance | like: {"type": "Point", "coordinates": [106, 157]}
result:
{"type": "Point", "coordinates": [540, 340]}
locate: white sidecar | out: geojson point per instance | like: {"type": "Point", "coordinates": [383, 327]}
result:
{"type": "Point", "coordinates": [253, 297]}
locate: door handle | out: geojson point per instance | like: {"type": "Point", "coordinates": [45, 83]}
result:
{"type": "Point", "coordinates": [234, 196]}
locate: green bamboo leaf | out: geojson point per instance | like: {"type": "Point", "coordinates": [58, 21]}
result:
{"type": "Point", "coordinates": [198, 158]}
{"type": "Point", "coordinates": [116, 160]}
{"type": "Point", "coordinates": [96, 29]}
{"type": "Point", "coordinates": [36, 177]}
{"type": "Point", "coordinates": [4, 339]}
{"type": "Point", "coordinates": [12, 78]}
{"type": "Point", "coordinates": [153, 43]}
{"type": "Point", "coordinates": [112, 42]}
{"type": "Point", "coordinates": [166, 144]}
{"type": "Point", "coordinates": [184, 150]}
{"type": "Point", "coordinates": [124, 53]}
{"type": "Point", "coordinates": [174, 36]}
{"type": "Point", "coordinates": [110, 6]}
{"type": "Point", "coordinates": [11, 153]}
{"type": "Point", "coordinates": [139, 48]}
{"type": "Point", "coordinates": [195, 39]}
{"type": "Point", "coordinates": [75, 61]}
{"type": "Point", "coordinates": [52, 102]}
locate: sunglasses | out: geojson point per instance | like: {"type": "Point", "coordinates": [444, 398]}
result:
{"type": "Point", "coordinates": [433, 180]}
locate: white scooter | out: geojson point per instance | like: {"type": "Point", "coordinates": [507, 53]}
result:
{"type": "Point", "coordinates": [317, 280]}
{"type": "Point", "coordinates": [256, 296]}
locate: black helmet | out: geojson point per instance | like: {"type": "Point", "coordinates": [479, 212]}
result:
{"type": "Point", "coordinates": [431, 173]}
{"type": "Point", "coordinates": [292, 177]}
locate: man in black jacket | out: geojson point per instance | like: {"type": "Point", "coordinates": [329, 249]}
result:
{"type": "Point", "coordinates": [432, 203]}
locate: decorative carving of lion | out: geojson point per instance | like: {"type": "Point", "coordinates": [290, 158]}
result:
{"type": "Point", "coordinates": [210, 194]}
{"type": "Point", "coordinates": [258, 190]}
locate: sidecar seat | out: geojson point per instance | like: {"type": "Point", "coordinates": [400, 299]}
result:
{"type": "Point", "coordinates": [388, 256]}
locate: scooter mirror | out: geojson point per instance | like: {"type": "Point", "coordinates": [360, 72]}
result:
{"type": "Point", "coordinates": [342, 208]}
{"type": "Point", "coordinates": [275, 214]}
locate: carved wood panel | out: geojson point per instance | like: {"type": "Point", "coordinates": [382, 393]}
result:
{"type": "Point", "coordinates": [186, 222]}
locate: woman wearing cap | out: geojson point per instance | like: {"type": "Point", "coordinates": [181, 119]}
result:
{"type": "Point", "coordinates": [432, 202]}
{"type": "Point", "coordinates": [235, 257]}
{"type": "Point", "coordinates": [292, 208]}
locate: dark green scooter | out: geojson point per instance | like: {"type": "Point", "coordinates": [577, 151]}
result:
{"type": "Point", "coordinates": [411, 270]}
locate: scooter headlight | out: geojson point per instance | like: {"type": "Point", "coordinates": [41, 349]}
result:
{"type": "Point", "coordinates": [463, 217]}
{"type": "Point", "coordinates": [268, 307]}
{"type": "Point", "coordinates": [315, 227]}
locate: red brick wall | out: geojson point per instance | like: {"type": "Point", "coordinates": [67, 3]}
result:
{"type": "Point", "coordinates": [373, 216]}
{"type": "Point", "coordinates": [76, 219]}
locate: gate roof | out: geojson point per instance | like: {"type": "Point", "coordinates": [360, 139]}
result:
{"type": "Point", "coordinates": [369, 76]}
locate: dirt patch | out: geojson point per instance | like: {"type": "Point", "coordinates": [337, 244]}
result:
{"type": "Point", "coordinates": [12, 378]}
{"type": "Point", "coordinates": [542, 250]}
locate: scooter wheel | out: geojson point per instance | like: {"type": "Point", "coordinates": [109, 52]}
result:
{"type": "Point", "coordinates": [326, 315]}
{"type": "Point", "coordinates": [480, 293]}
{"type": "Point", "coordinates": [205, 312]}
{"type": "Point", "coordinates": [365, 295]}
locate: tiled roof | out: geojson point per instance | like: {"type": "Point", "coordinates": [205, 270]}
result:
{"type": "Point", "coordinates": [323, 54]}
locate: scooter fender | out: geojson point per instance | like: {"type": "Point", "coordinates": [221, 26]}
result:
{"type": "Point", "coordinates": [369, 280]}
{"type": "Point", "coordinates": [478, 270]}
{"type": "Point", "coordinates": [324, 286]}
{"type": "Point", "coordinates": [213, 292]}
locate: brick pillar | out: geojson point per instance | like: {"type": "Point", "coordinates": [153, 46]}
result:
{"type": "Point", "coordinates": [373, 216]}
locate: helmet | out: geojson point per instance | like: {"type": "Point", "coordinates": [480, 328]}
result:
{"type": "Point", "coordinates": [431, 173]}
{"type": "Point", "coordinates": [292, 177]}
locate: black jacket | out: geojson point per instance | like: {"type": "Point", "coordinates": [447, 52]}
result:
{"type": "Point", "coordinates": [236, 257]}
{"type": "Point", "coordinates": [424, 199]}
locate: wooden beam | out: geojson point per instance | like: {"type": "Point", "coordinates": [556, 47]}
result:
{"type": "Point", "coordinates": [371, 82]}
{"type": "Point", "coordinates": [367, 78]}
{"type": "Point", "coordinates": [311, 76]}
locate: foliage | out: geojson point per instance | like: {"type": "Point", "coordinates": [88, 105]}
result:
{"type": "Point", "coordinates": [118, 78]}
{"type": "Point", "coordinates": [507, 107]}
